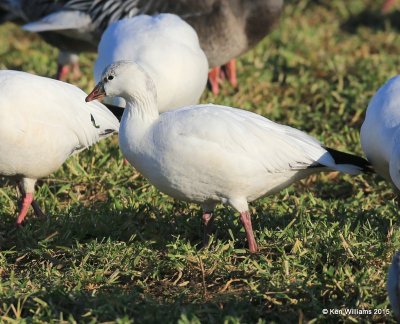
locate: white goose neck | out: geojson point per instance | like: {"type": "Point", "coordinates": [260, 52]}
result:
{"type": "Point", "coordinates": [143, 107]}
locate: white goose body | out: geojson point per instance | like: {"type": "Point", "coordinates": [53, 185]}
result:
{"type": "Point", "coordinates": [167, 48]}
{"type": "Point", "coordinates": [380, 132]}
{"type": "Point", "coordinates": [43, 122]}
{"type": "Point", "coordinates": [209, 154]}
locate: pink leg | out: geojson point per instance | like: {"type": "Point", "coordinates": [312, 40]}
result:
{"type": "Point", "coordinates": [76, 71]}
{"type": "Point", "coordinates": [222, 74]}
{"type": "Point", "coordinates": [387, 6]}
{"type": "Point", "coordinates": [246, 221]}
{"type": "Point", "coordinates": [26, 202]}
{"type": "Point", "coordinates": [231, 73]}
{"type": "Point", "coordinates": [62, 72]}
{"type": "Point", "coordinates": [213, 78]}
{"type": "Point", "coordinates": [207, 221]}
{"type": "Point", "coordinates": [35, 205]}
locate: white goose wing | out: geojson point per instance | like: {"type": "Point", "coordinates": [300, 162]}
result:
{"type": "Point", "coordinates": [236, 132]}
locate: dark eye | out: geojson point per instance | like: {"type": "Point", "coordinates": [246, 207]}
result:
{"type": "Point", "coordinates": [110, 77]}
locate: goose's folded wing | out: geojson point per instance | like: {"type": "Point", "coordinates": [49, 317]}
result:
{"type": "Point", "coordinates": [62, 20]}
{"type": "Point", "coordinates": [237, 132]}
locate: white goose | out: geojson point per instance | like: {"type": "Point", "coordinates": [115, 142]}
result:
{"type": "Point", "coordinates": [212, 154]}
{"type": "Point", "coordinates": [42, 123]}
{"type": "Point", "coordinates": [380, 132]}
{"type": "Point", "coordinates": [167, 48]}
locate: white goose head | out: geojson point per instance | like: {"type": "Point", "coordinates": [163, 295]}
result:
{"type": "Point", "coordinates": [125, 79]}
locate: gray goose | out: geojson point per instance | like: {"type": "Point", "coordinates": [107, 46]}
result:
{"type": "Point", "coordinates": [226, 28]}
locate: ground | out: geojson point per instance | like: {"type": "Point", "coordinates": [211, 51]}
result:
{"type": "Point", "coordinates": [115, 249]}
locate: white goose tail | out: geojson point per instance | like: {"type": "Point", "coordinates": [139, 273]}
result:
{"type": "Point", "coordinates": [349, 163]}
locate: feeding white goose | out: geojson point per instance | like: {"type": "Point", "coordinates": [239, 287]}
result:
{"type": "Point", "coordinates": [210, 154]}
{"type": "Point", "coordinates": [43, 122]}
{"type": "Point", "coordinates": [226, 28]}
{"type": "Point", "coordinates": [380, 132]}
{"type": "Point", "coordinates": [167, 48]}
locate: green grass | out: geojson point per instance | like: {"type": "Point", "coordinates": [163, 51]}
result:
{"type": "Point", "coordinates": [115, 249]}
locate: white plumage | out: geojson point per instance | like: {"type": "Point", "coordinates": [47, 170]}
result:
{"type": "Point", "coordinates": [42, 123]}
{"type": "Point", "coordinates": [380, 132]}
{"type": "Point", "coordinates": [167, 48]}
{"type": "Point", "coordinates": [209, 154]}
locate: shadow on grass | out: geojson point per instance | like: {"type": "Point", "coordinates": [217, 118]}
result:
{"type": "Point", "coordinates": [101, 221]}
{"type": "Point", "coordinates": [158, 306]}
{"type": "Point", "coordinates": [135, 304]}
{"type": "Point", "coordinates": [161, 226]}
{"type": "Point", "coordinates": [372, 19]}
{"type": "Point", "coordinates": [157, 300]}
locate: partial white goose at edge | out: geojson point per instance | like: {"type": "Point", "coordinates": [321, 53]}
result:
{"type": "Point", "coordinates": [42, 123]}
{"type": "Point", "coordinates": [393, 285]}
{"type": "Point", "coordinates": [380, 132]}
